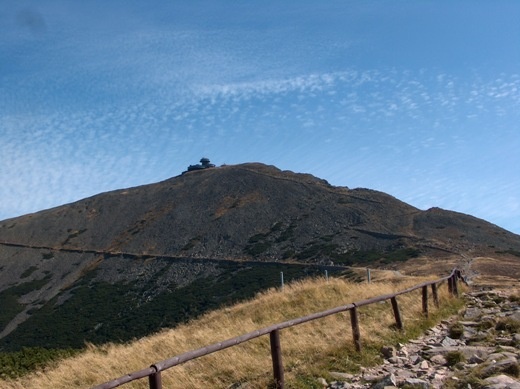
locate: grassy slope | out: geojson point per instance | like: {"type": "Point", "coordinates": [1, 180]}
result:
{"type": "Point", "coordinates": [309, 350]}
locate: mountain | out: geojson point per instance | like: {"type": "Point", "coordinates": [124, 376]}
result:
{"type": "Point", "coordinates": [93, 269]}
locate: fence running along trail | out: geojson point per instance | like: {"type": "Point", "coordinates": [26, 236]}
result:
{"type": "Point", "coordinates": [154, 371]}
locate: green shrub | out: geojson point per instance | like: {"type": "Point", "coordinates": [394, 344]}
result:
{"type": "Point", "coordinates": [28, 272]}
{"type": "Point", "coordinates": [19, 363]}
{"type": "Point", "coordinates": [257, 248]}
{"type": "Point", "coordinates": [464, 382]}
{"type": "Point", "coordinates": [286, 234]}
{"type": "Point", "coordinates": [9, 298]}
{"type": "Point", "coordinates": [456, 330]}
{"type": "Point", "coordinates": [454, 357]}
{"type": "Point", "coordinates": [485, 325]}
{"type": "Point", "coordinates": [123, 316]}
{"type": "Point", "coordinates": [514, 298]}
{"type": "Point", "coordinates": [257, 238]}
{"type": "Point", "coordinates": [288, 254]}
{"type": "Point", "coordinates": [508, 324]}
{"type": "Point", "coordinates": [510, 251]}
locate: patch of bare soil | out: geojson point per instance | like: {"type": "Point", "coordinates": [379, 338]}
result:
{"type": "Point", "coordinates": [426, 266]}
{"type": "Point", "coordinates": [482, 271]}
{"type": "Point", "coordinates": [377, 274]}
{"type": "Point", "coordinates": [503, 272]}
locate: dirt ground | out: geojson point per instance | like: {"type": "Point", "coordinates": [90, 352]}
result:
{"type": "Point", "coordinates": [497, 272]}
{"type": "Point", "coordinates": [482, 272]}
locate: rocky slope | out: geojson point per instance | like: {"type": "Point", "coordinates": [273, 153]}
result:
{"type": "Point", "coordinates": [478, 349]}
{"type": "Point", "coordinates": [114, 257]}
{"type": "Point", "coordinates": [251, 211]}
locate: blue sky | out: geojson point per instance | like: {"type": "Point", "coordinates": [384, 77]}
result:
{"type": "Point", "coordinates": [418, 99]}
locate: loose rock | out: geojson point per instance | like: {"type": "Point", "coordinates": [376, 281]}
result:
{"type": "Point", "coordinates": [487, 349]}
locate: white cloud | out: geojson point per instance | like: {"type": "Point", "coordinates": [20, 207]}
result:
{"type": "Point", "coordinates": [185, 91]}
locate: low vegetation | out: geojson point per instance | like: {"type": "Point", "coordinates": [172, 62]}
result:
{"type": "Point", "coordinates": [510, 251]}
{"type": "Point", "coordinates": [454, 357]}
{"type": "Point", "coordinates": [124, 311]}
{"type": "Point", "coordinates": [9, 298]}
{"type": "Point", "coordinates": [323, 247]}
{"type": "Point", "coordinates": [18, 363]}
{"type": "Point", "coordinates": [309, 351]}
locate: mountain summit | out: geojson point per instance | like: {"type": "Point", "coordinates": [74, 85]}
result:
{"type": "Point", "coordinates": [251, 211]}
{"type": "Point", "coordinates": [203, 238]}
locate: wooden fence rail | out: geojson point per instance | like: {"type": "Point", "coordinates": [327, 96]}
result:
{"type": "Point", "coordinates": [154, 371]}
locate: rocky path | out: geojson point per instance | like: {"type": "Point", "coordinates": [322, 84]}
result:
{"type": "Point", "coordinates": [478, 349]}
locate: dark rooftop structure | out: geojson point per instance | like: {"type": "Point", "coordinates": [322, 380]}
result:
{"type": "Point", "coordinates": [204, 164]}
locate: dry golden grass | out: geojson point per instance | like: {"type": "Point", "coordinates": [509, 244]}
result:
{"type": "Point", "coordinates": [311, 348]}
{"type": "Point", "coordinates": [496, 273]}
{"type": "Point", "coordinates": [486, 271]}
{"type": "Point", "coordinates": [425, 265]}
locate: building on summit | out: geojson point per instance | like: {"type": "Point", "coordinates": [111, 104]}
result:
{"type": "Point", "coordinates": [204, 164]}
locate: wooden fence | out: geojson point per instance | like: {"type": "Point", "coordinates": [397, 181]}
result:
{"type": "Point", "coordinates": [154, 371]}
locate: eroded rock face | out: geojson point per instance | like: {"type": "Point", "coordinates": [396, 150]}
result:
{"type": "Point", "coordinates": [486, 352]}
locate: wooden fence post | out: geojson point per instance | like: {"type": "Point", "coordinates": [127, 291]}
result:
{"type": "Point", "coordinates": [397, 314]}
{"type": "Point", "coordinates": [355, 329]}
{"type": "Point", "coordinates": [425, 300]}
{"type": "Point", "coordinates": [155, 380]}
{"type": "Point", "coordinates": [435, 295]}
{"type": "Point", "coordinates": [276, 355]}
{"type": "Point", "coordinates": [455, 287]}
